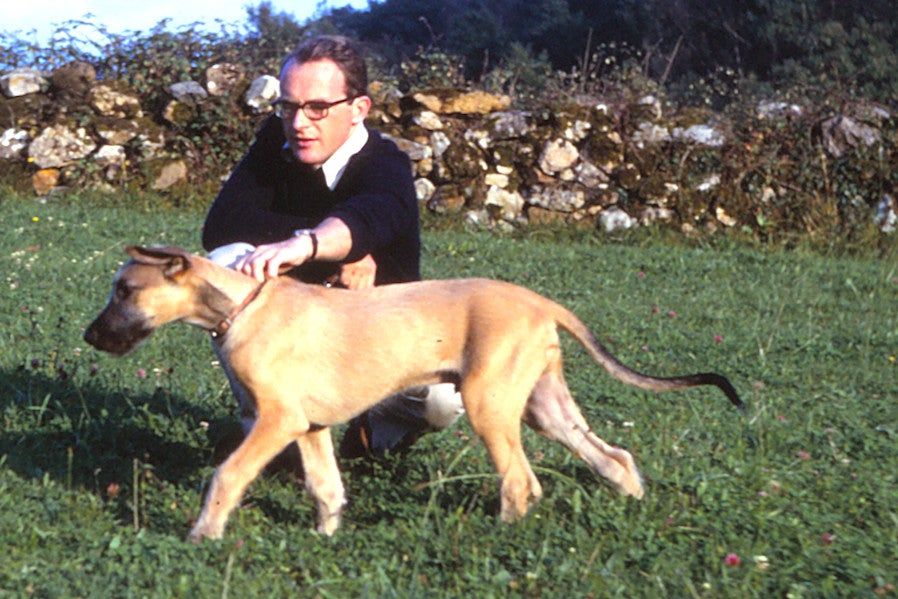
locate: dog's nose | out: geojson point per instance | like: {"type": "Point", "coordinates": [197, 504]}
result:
{"type": "Point", "coordinates": [90, 335]}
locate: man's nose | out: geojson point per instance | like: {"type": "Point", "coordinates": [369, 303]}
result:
{"type": "Point", "coordinates": [300, 120]}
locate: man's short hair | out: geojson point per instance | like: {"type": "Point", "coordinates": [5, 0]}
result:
{"type": "Point", "coordinates": [343, 51]}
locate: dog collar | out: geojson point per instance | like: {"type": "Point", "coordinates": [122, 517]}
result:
{"type": "Point", "coordinates": [222, 327]}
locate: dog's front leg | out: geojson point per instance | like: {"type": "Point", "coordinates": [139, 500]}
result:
{"type": "Point", "coordinates": [247, 405]}
{"type": "Point", "coordinates": [323, 477]}
{"type": "Point", "coordinates": [267, 438]}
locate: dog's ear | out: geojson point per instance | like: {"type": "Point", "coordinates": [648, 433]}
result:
{"type": "Point", "coordinates": [172, 259]}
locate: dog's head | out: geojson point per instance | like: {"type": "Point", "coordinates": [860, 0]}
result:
{"type": "Point", "coordinates": [147, 292]}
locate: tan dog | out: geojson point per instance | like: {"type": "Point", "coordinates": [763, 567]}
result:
{"type": "Point", "coordinates": [312, 357]}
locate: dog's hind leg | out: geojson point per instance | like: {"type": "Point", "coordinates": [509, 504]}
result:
{"type": "Point", "coordinates": [495, 415]}
{"type": "Point", "coordinates": [551, 411]}
{"type": "Point", "coordinates": [323, 477]}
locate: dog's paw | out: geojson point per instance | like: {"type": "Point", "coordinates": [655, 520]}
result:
{"type": "Point", "coordinates": [638, 491]}
{"type": "Point", "coordinates": [194, 539]}
{"type": "Point", "coordinates": [201, 531]}
{"type": "Point", "coordinates": [631, 485]}
{"type": "Point", "coordinates": [328, 525]}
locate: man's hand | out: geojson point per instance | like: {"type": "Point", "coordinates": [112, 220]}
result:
{"type": "Point", "coordinates": [266, 261]}
{"type": "Point", "coordinates": [357, 275]}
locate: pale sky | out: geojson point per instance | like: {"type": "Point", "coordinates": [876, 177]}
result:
{"type": "Point", "coordinates": [119, 16]}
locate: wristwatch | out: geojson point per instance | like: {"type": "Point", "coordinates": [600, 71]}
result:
{"type": "Point", "coordinates": [312, 236]}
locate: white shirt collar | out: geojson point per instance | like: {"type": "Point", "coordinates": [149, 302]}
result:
{"type": "Point", "coordinates": [335, 165]}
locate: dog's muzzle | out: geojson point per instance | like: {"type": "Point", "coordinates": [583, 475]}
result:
{"type": "Point", "coordinates": [116, 340]}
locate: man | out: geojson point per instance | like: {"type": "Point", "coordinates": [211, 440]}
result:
{"type": "Point", "coordinates": [321, 193]}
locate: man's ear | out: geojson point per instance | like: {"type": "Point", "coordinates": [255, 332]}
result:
{"type": "Point", "coordinates": [360, 108]}
{"type": "Point", "coordinates": [172, 259]}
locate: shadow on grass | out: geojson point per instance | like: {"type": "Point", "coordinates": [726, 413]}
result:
{"type": "Point", "coordinates": [86, 433]}
{"type": "Point", "coordinates": [87, 436]}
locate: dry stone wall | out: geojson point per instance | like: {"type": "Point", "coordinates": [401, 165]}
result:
{"type": "Point", "coordinates": [592, 163]}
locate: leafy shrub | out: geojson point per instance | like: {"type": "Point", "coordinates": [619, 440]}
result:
{"type": "Point", "coordinates": [431, 67]}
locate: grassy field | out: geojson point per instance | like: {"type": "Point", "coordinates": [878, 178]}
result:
{"type": "Point", "coordinates": [103, 461]}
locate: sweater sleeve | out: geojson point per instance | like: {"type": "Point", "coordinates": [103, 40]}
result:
{"type": "Point", "coordinates": [383, 210]}
{"type": "Point", "coordinates": [244, 208]}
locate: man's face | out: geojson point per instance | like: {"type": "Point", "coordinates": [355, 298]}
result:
{"type": "Point", "coordinates": [314, 141]}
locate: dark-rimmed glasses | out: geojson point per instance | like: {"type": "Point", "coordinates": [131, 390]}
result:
{"type": "Point", "coordinates": [315, 110]}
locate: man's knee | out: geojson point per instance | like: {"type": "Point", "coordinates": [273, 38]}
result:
{"type": "Point", "coordinates": [228, 255]}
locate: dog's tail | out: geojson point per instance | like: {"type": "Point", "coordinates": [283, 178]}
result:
{"type": "Point", "coordinates": [569, 322]}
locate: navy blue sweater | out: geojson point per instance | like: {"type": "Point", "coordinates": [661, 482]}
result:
{"type": "Point", "coordinates": [270, 194]}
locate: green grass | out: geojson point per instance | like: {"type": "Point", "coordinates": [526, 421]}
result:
{"type": "Point", "coordinates": [103, 461]}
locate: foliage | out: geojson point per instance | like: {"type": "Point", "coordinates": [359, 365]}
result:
{"type": "Point", "coordinates": [431, 68]}
{"type": "Point", "coordinates": [850, 44]}
{"type": "Point", "coordinates": [782, 175]}
{"type": "Point", "coordinates": [690, 56]}
{"type": "Point", "coordinates": [521, 75]}
{"type": "Point", "coordinates": [103, 461]}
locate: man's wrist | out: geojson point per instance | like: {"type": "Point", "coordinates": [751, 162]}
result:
{"type": "Point", "coordinates": [312, 237]}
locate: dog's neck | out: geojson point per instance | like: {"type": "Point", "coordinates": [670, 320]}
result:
{"type": "Point", "coordinates": [224, 294]}
{"type": "Point", "coordinates": [225, 323]}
